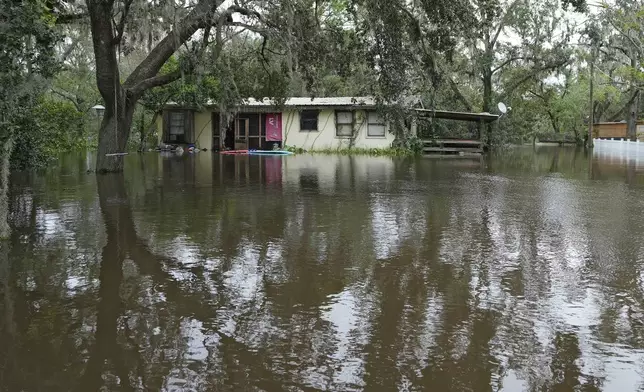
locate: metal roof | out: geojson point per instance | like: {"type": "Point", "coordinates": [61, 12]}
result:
{"type": "Point", "coordinates": [460, 116]}
{"type": "Point", "coordinates": [304, 102]}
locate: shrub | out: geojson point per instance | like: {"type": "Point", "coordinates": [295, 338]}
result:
{"type": "Point", "coordinates": [49, 128]}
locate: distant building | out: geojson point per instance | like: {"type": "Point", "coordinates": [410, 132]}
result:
{"type": "Point", "coordinates": [311, 124]}
{"type": "Point", "coordinates": [616, 130]}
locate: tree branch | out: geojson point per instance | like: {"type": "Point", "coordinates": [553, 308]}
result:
{"type": "Point", "coordinates": [537, 95]}
{"type": "Point", "coordinates": [248, 27]}
{"type": "Point", "coordinates": [68, 96]}
{"type": "Point", "coordinates": [69, 18]}
{"type": "Point", "coordinates": [243, 11]}
{"type": "Point", "coordinates": [458, 93]}
{"type": "Point", "coordinates": [637, 44]}
{"type": "Point", "coordinates": [155, 81]}
{"type": "Point", "coordinates": [502, 23]}
{"type": "Point", "coordinates": [120, 28]}
{"type": "Point", "coordinates": [619, 114]}
{"type": "Point", "coordinates": [532, 74]}
{"type": "Point", "coordinates": [70, 48]}
{"type": "Point", "coordinates": [508, 61]}
{"type": "Point", "coordinates": [624, 51]}
{"type": "Point", "coordinates": [202, 15]}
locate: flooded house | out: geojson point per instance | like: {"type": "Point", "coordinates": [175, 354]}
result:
{"type": "Point", "coordinates": [308, 123]}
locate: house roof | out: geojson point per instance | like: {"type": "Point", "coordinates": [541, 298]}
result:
{"type": "Point", "coordinates": [308, 102]}
{"type": "Point", "coordinates": [252, 105]}
{"type": "Point", "coordinates": [317, 102]}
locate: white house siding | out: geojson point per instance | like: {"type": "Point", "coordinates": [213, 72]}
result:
{"type": "Point", "coordinates": [325, 137]}
{"type": "Point", "coordinates": [203, 129]}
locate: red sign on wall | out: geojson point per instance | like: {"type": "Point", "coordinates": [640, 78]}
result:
{"type": "Point", "coordinates": [274, 127]}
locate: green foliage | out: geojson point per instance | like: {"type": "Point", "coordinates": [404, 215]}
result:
{"type": "Point", "coordinates": [46, 130]}
{"type": "Point", "coordinates": [393, 151]}
{"type": "Point", "coordinates": [456, 55]}
{"type": "Point", "coordinates": [26, 59]}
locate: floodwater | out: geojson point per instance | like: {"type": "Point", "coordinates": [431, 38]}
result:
{"type": "Point", "coordinates": [321, 273]}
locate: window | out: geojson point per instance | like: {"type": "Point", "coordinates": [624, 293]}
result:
{"type": "Point", "coordinates": [177, 126]}
{"type": "Point", "coordinates": [309, 120]}
{"type": "Point", "coordinates": [344, 124]}
{"type": "Point", "coordinates": [376, 125]}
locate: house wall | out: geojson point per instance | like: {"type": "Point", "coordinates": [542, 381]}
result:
{"type": "Point", "coordinates": [616, 130]}
{"type": "Point", "coordinates": [203, 129]}
{"type": "Point", "coordinates": [611, 130]}
{"type": "Point", "coordinates": [325, 137]}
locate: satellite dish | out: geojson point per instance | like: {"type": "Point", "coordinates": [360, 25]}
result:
{"type": "Point", "coordinates": [502, 108]}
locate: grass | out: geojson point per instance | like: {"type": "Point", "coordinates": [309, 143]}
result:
{"type": "Point", "coordinates": [375, 152]}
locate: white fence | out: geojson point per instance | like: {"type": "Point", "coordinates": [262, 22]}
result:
{"type": "Point", "coordinates": [619, 150]}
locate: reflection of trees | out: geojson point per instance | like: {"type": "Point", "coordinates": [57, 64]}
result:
{"type": "Point", "coordinates": [452, 281]}
{"type": "Point", "coordinates": [44, 324]}
{"type": "Point", "coordinates": [109, 307]}
{"type": "Point", "coordinates": [193, 301]}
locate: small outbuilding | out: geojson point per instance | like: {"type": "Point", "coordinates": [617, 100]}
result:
{"type": "Point", "coordinates": [616, 130]}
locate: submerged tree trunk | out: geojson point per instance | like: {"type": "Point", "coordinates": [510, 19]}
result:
{"type": "Point", "coordinates": [591, 118]}
{"type": "Point", "coordinates": [5, 155]}
{"type": "Point", "coordinates": [115, 128]}
{"type": "Point", "coordinates": [112, 139]}
{"type": "Point", "coordinates": [487, 102]}
{"type": "Point", "coordinates": [142, 132]}
{"type": "Point", "coordinates": [633, 110]}
{"type": "Point", "coordinates": [631, 120]}
{"type": "Point", "coordinates": [120, 98]}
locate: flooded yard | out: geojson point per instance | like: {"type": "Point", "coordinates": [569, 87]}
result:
{"type": "Point", "coordinates": [326, 273]}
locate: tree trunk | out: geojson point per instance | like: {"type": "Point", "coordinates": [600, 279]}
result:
{"type": "Point", "coordinates": [554, 122]}
{"type": "Point", "coordinates": [112, 139]}
{"type": "Point", "coordinates": [142, 132]}
{"type": "Point", "coordinates": [591, 118]}
{"type": "Point", "coordinates": [5, 155]}
{"type": "Point", "coordinates": [487, 102]}
{"type": "Point", "coordinates": [633, 113]}
{"type": "Point", "coordinates": [120, 97]}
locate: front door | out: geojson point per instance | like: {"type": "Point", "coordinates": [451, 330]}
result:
{"type": "Point", "coordinates": [241, 134]}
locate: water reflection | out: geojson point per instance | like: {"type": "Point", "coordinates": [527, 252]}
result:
{"type": "Point", "coordinates": [206, 272]}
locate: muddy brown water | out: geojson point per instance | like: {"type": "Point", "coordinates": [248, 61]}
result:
{"type": "Point", "coordinates": [522, 272]}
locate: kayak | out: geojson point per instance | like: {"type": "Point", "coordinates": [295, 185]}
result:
{"type": "Point", "coordinates": [256, 152]}
{"type": "Point", "coordinates": [234, 152]}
